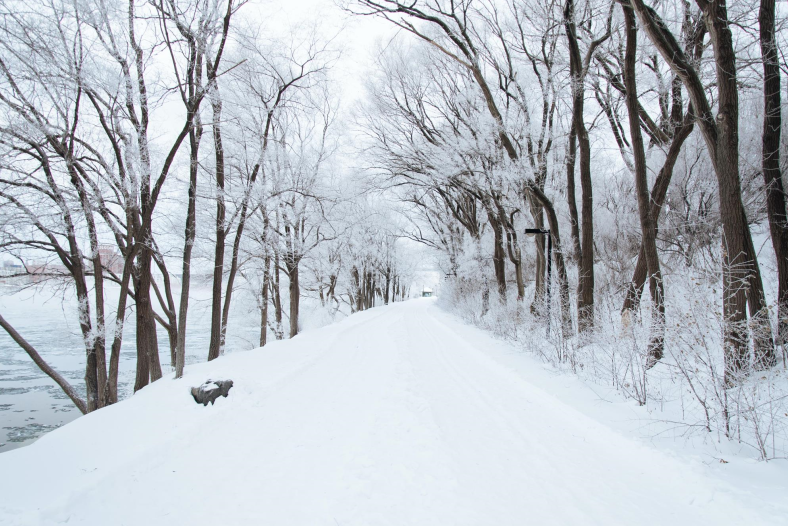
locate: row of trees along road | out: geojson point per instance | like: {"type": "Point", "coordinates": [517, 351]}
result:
{"type": "Point", "coordinates": [120, 120]}
{"type": "Point", "coordinates": [151, 126]}
{"type": "Point", "coordinates": [492, 110]}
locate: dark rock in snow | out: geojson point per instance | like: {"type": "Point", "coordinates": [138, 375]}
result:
{"type": "Point", "coordinates": [211, 390]}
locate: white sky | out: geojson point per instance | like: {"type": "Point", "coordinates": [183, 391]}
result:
{"type": "Point", "coordinates": [357, 36]}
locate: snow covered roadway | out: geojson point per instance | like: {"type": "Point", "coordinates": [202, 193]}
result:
{"type": "Point", "coordinates": [395, 416]}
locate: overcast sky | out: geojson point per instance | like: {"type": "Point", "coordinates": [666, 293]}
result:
{"type": "Point", "coordinates": [359, 37]}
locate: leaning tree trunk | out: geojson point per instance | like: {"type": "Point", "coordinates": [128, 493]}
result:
{"type": "Point", "coordinates": [234, 264]}
{"type": "Point", "coordinates": [45, 367]}
{"type": "Point", "coordinates": [658, 194]}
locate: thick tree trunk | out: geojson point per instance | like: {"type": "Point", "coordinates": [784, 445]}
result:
{"type": "Point", "coordinates": [83, 308]}
{"type": "Point", "coordinates": [514, 252]}
{"type": "Point", "coordinates": [647, 222]}
{"type": "Point", "coordinates": [100, 343]}
{"type": "Point", "coordinates": [148, 365]}
{"type": "Point", "coordinates": [775, 194]}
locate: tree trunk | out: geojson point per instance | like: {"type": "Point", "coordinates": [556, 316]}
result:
{"type": "Point", "coordinates": [740, 258]}
{"type": "Point", "coordinates": [541, 261]}
{"type": "Point", "coordinates": [560, 263]}
{"type": "Point", "coordinates": [277, 298]}
{"type": "Point", "coordinates": [195, 136]}
{"type": "Point", "coordinates": [574, 219]}
{"type": "Point", "coordinates": [658, 194]}
{"type": "Point", "coordinates": [264, 301]}
{"type": "Point", "coordinates": [215, 348]}
{"type": "Point", "coordinates": [148, 365]}
{"type": "Point", "coordinates": [91, 373]}
{"type": "Point", "coordinates": [499, 256]}
{"type": "Point", "coordinates": [775, 194]}
{"type": "Point", "coordinates": [647, 223]}
{"type": "Point", "coordinates": [357, 285]}
{"type": "Point", "coordinates": [100, 343]}
{"type": "Point", "coordinates": [388, 286]}
{"type": "Point", "coordinates": [111, 389]}
{"type": "Point", "coordinates": [585, 280]}
{"type": "Point", "coordinates": [228, 294]}
{"type": "Point", "coordinates": [168, 305]}
{"type": "Point", "coordinates": [295, 294]}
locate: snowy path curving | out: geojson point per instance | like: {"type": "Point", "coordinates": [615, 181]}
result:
{"type": "Point", "coordinates": [395, 416]}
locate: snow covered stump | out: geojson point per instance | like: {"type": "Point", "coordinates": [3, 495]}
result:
{"type": "Point", "coordinates": [211, 390]}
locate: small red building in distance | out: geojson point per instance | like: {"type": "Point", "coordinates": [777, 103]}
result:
{"type": "Point", "coordinates": [111, 260]}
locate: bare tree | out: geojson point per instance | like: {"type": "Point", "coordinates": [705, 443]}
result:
{"type": "Point", "coordinates": [741, 276]}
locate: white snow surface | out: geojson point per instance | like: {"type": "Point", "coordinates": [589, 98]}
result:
{"type": "Point", "coordinates": [400, 415]}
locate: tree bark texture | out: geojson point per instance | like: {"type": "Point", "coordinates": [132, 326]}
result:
{"type": "Point", "coordinates": [772, 177]}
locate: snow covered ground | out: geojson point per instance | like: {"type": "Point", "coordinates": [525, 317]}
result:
{"type": "Point", "coordinates": [399, 415]}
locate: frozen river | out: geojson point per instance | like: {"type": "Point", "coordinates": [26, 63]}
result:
{"type": "Point", "coordinates": [31, 404]}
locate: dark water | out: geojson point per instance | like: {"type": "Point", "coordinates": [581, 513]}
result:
{"type": "Point", "coordinates": [31, 404]}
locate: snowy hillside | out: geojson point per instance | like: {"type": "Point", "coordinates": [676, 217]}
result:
{"type": "Point", "coordinates": [399, 415]}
